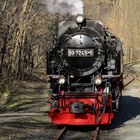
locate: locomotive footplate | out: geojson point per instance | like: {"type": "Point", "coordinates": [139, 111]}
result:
{"type": "Point", "coordinates": [80, 119]}
{"type": "Point", "coordinates": [83, 110]}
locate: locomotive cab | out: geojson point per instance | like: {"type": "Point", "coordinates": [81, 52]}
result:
{"type": "Point", "coordinates": [85, 69]}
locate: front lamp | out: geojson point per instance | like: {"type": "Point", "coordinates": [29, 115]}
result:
{"type": "Point", "coordinates": [98, 81]}
{"type": "Point", "coordinates": [79, 19]}
{"type": "Point", "coordinates": [61, 81]}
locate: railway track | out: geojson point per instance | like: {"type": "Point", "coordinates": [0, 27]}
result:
{"type": "Point", "coordinates": [132, 74]}
{"type": "Point", "coordinates": [92, 135]}
{"type": "Point", "coordinates": [132, 78]}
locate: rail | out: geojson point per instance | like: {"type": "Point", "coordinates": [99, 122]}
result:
{"type": "Point", "coordinates": [61, 133]}
{"type": "Point", "coordinates": [95, 133]}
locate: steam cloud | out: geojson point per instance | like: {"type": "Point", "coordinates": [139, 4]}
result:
{"type": "Point", "coordinates": [72, 7]}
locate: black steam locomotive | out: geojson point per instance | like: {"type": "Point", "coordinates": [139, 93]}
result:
{"type": "Point", "coordinates": [85, 69]}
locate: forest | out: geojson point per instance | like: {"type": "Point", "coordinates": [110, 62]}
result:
{"type": "Point", "coordinates": [27, 30]}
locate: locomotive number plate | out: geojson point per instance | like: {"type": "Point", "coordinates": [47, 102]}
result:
{"type": "Point", "coordinates": [80, 52]}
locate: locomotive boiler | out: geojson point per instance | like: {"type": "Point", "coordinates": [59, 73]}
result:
{"type": "Point", "coordinates": [85, 69]}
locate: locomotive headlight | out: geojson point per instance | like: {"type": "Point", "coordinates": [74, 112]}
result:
{"type": "Point", "coordinates": [61, 81]}
{"type": "Point", "coordinates": [98, 81]}
{"type": "Point", "coordinates": [79, 19]}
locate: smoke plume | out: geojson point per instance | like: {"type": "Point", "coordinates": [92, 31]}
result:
{"type": "Point", "coordinates": [72, 7]}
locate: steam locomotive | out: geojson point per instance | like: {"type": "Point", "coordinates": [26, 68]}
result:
{"type": "Point", "coordinates": [85, 69]}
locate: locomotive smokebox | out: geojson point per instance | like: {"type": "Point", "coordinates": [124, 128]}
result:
{"type": "Point", "coordinates": [81, 48]}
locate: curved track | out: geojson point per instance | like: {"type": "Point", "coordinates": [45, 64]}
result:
{"type": "Point", "coordinates": [131, 74]}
